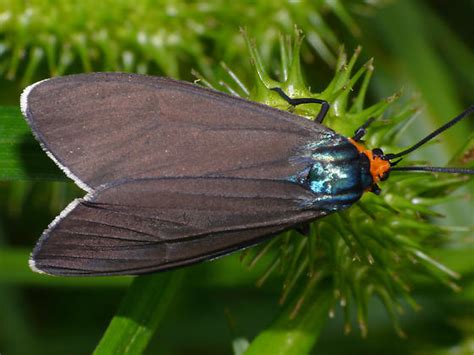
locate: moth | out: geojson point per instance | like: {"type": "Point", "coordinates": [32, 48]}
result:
{"type": "Point", "coordinates": [176, 173]}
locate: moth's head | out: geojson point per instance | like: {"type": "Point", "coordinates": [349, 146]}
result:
{"type": "Point", "coordinates": [379, 164]}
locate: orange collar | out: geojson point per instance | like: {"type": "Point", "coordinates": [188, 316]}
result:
{"type": "Point", "coordinates": [378, 166]}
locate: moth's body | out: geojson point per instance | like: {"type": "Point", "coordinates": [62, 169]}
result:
{"type": "Point", "coordinates": [337, 173]}
{"type": "Point", "coordinates": [176, 173]}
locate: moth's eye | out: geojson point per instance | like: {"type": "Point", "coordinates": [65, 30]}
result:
{"type": "Point", "coordinates": [377, 152]}
{"type": "Point", "coordinates": [384, 176]}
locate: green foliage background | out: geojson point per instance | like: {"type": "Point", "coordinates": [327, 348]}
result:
{"type": "Point", "coordinates": [417, 45]}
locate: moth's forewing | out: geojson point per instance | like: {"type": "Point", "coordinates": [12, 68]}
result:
{"type": "Point", "coordinates": [105, 127]}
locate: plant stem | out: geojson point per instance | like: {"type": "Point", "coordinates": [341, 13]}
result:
{"type": "Point", "coordinates": [141, 311]}
{"type": "Point", "coordinates": [298, 335]}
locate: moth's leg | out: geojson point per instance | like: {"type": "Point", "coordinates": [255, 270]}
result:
{"type": "Point", "coordinates": [303, 228]}
{"type": "Point", "coordinates": [375, 189]}
{"type": "Point", "coordinates": [362, 130]}
{"type": "Point", "coordinates": [309, 100]}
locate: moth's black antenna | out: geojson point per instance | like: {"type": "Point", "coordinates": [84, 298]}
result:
{"type": "Point", "coordinates": [431, 135]}
{"type": "Point", "coordinates": [434, 169]}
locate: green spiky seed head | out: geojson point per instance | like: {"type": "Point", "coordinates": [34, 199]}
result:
{"type": "Point", "coordinates": [375, 247]}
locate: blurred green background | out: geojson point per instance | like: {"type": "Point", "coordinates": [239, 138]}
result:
{"type": "Point", "coordinates": [424, 47]}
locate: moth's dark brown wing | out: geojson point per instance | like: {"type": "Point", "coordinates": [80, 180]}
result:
{"type": "Point", "coordinates": [108, 126]}
{"type": "Point", "coordinates": [149, 225]}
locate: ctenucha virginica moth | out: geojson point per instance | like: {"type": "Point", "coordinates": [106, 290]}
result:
{"type": "Point", "coordinates": [176, 173]}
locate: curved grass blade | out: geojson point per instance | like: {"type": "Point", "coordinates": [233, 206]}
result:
{"type": "Point", "coordinates": [140, 313]}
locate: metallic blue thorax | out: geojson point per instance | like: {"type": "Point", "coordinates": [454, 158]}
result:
{"type": "Point", "coordinates": [336, 172]}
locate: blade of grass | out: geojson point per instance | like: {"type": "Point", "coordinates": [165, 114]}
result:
{"type": "Point", "coordinates": [20, 155]}
{"type": "Point", "coordinates": [140, 313]}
